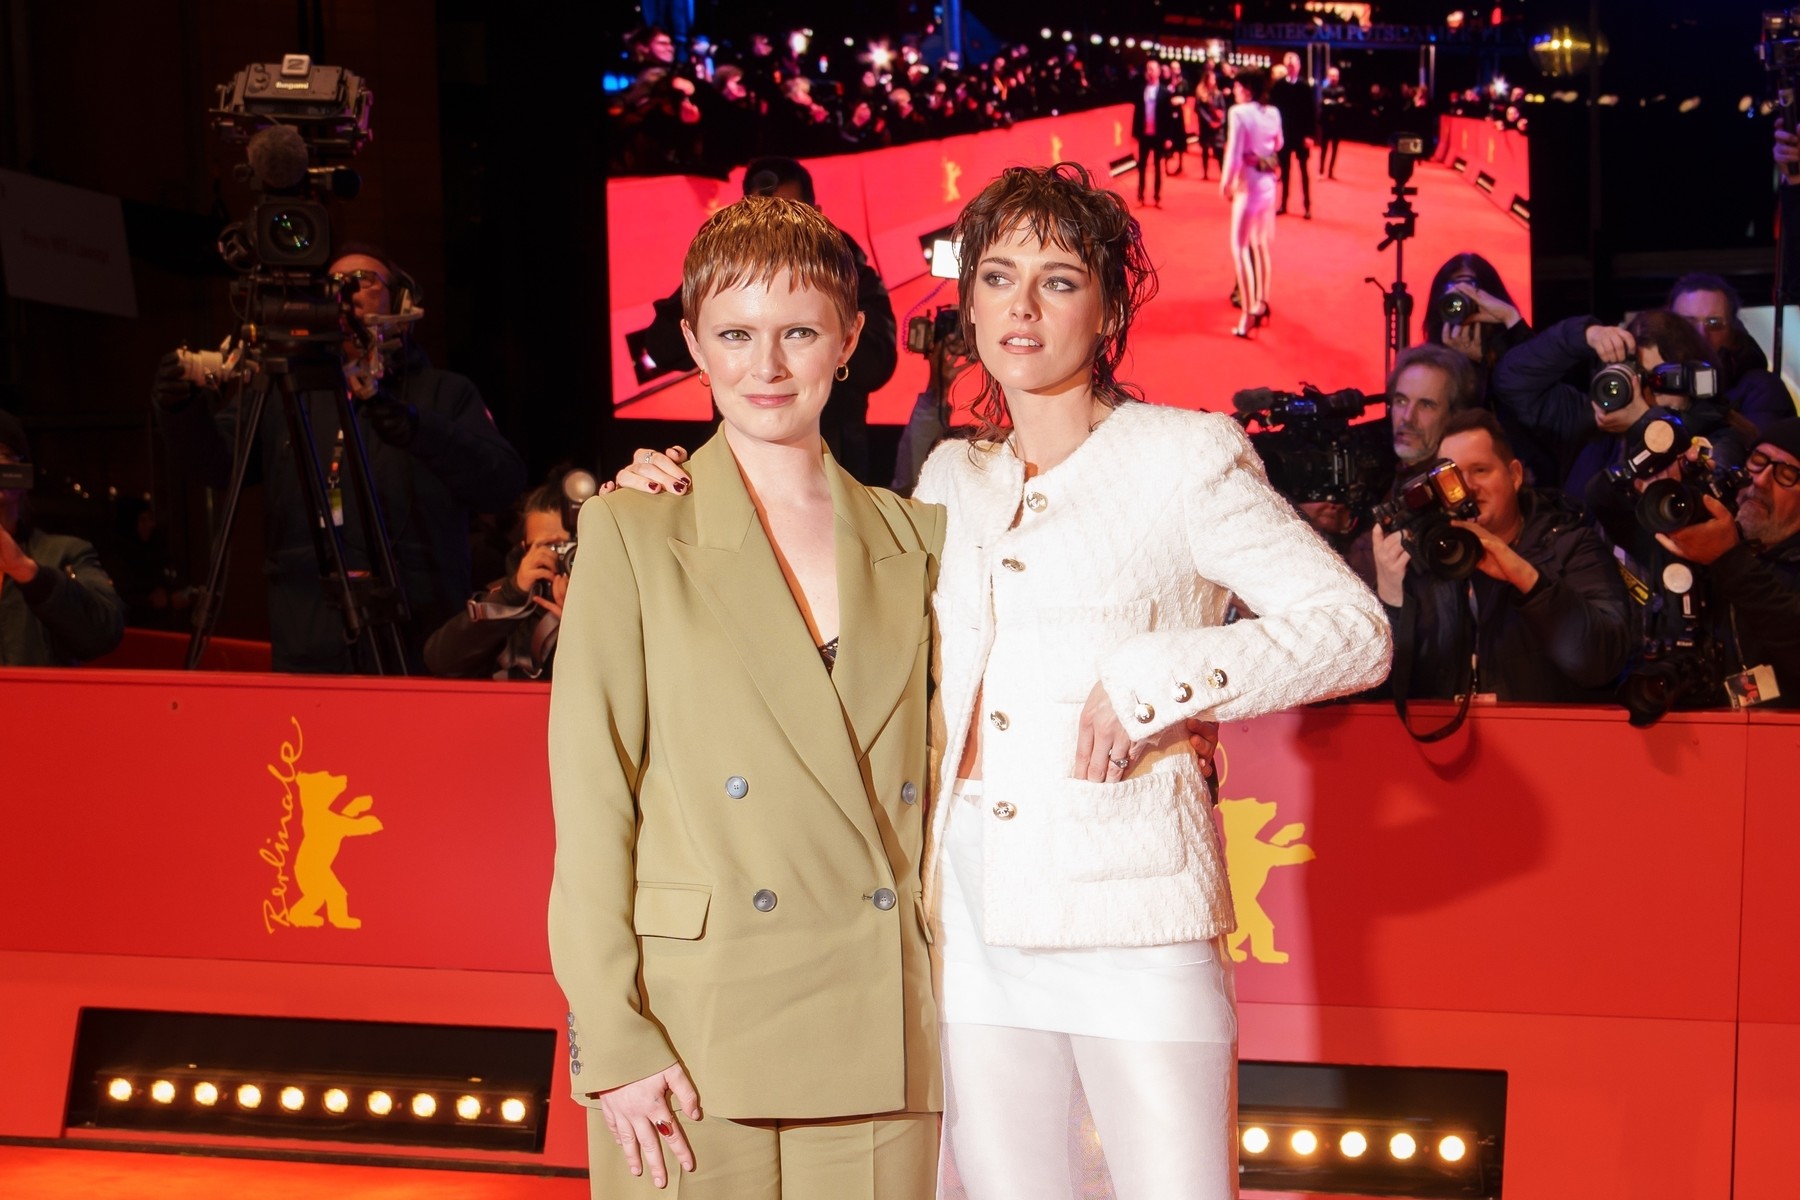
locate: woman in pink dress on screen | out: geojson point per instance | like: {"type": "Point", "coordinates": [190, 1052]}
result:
{"type": "Point", "coordinates": [1253, 139]}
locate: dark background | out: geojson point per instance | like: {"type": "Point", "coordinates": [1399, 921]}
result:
{"type": "Point", "coordinates": [485, 180]}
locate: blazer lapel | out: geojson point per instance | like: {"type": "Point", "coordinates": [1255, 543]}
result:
{"type": "Point", "coordinates": [881, 607]}
{"type": "Point", "coordinates": [733, 567]}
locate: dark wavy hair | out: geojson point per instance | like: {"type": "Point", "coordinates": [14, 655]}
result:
{"type": "Point", "coordinates": [1061, 206]}
{"type": "Point", "coordinates": [1256, 82]}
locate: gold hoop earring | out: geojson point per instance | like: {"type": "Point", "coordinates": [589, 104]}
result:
{"type": "Point", "coordinates": [842, 373]}
{"type": "Point", "coordinates": [705, 380]}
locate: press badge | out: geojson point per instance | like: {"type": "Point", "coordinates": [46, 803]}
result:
{"type": "Point", "coordinates": [1755, 686]}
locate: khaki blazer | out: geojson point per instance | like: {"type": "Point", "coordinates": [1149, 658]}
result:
{"type": "Point", "coordinates": [738, 832]}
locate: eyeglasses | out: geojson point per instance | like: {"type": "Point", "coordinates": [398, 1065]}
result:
{"type": "Point", "coordinates": [1786, 474]}
{"type": "Point", "coordinates": [1708, 324]}
{"type": "Point", "coordinates": [365, 279]}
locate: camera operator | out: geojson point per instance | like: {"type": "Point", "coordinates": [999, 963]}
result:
{"type": "Point", "coordinates": [433, 451]}
{"type": "Point", "coordinates": [1753, 560]}
{"type": "Point", "coordinates": [508, 630]}
{"type": "Point", "coordinates": [1746, 384]}
{"type": "Point", "coordinates": [57, 606]}
{"type": "Point", "coordinates": [845, 421]}
{"type": "Point", "coordinates": [1578, 436]}
{"type": "Point", "coordinates": [1550, 614]}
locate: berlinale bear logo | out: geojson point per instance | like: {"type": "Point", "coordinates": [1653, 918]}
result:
{"type": "Point", "coordinates": [1248, 860]}
{"type": "Point", "coordinates": [323, 829]}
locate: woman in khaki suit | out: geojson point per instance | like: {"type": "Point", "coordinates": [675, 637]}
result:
{"type": "Point", "coordinates": [737, 748]}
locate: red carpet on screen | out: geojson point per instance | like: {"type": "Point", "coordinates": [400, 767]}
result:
{"type": "Point", "coordinates": [1327, 329]}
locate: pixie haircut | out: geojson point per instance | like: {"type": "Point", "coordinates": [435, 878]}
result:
{"type": "Point", "coordinates": [1062, 207]}
{"type": "Point", "coordinates": [760, 237]}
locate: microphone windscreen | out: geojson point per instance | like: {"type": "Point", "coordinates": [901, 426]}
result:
{"type": "Point", "coordinates": [279, 157]}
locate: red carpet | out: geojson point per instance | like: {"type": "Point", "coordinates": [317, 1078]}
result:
{"type": "Point", "coordinates": [33, 1173]}
{"type": "Point", "coordinates": [1328, 324]}
{"type": "Point", "coordinates": [41, 1173]}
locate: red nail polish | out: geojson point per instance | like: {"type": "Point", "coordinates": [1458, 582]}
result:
{"type": "Point", "coordinates": [655, 487]}
{"type": "Point", "coordinates": [680, 486]}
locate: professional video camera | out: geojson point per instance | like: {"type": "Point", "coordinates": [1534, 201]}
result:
{"type": "Point", "coordinates": [1311, 450]}
{"type": "Point", "coordinates": [1613, 385]}
{"type": "Point", "coordinates": [299, 123]}
{"type": "Point", "coordinates": [1425, 503]}
{"type": "Point", "coordinates": [1658, 441]}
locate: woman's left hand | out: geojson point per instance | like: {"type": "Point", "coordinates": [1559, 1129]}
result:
{"type": "Point", "coordinates": [1103, 750]}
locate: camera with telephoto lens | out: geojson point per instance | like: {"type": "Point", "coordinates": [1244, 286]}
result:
{"type": "Point", "coordinates": [1658, 441]}
{"type": "Point", "coordinates": [1682, 664]}
{"type": "Point", "coordinates": [1454, 306]}
{"type": "Point", "coordinates": [1312, 451]}
{"type": "Point", "coordinates": [1425, 503]}
{"type": "Point", "coordinates": [1612, 385]}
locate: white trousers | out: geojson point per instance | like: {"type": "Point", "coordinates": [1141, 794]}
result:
{"type": "Point", "coordinates": [1017, 1122]}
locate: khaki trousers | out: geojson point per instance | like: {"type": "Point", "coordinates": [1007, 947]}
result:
{"type": "Point", "coordinates": [888, 1157]}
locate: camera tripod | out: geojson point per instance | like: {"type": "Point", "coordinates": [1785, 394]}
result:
{"type": "Point", "coordinates": [371, 602]}
{"type": "Point", "coordinates": [1402, 223]}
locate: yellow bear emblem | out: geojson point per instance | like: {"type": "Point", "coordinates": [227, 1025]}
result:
{"type": "Point", "coordinates": [1249, 858]}
{"type": "Point", "coordinates": [322, 832]}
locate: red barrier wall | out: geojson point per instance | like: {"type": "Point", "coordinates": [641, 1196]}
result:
{"type": "Point", "coordinates": [1503, 155]}
{"type": "Point", "coordinates": [885, 199]}
{"type": "Point", "coordinates": [1606, 914]}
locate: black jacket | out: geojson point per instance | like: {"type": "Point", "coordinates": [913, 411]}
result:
{"type": "Point", "coordinates": [1294, 100]}
{"type": "Point", "coordinates": [1763, 590]}
{"type": "Point", "coordinates": [1529, 393]}
{"type": "Point", "coordinates": [1169, 129]}
{"type": "Point", "coordinates": [69, 612]}
{"type": "Point", "coordinates": [1565, 641]}
{"type": "Point", "coordinates": [455, 464]}
{"type": "Point", "coordinates": [500, 634]}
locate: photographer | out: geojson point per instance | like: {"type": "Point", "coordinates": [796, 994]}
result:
{"type": "Point", "coordinates": [1550, 618]}
{"type": "Point", "coordinates": [1428, 384]}
{"type": "Point", "coordinates": [433, 452]}
{"type": "Point", "coordinates": [1746, 384]}
{"type": "Point", "coordinates": [509, 630]}
{"type": "Point", "coordinates": [1753, 560]}
{"type": "Point", "coordinates": [57, 606]}
{"type": "Point", "coordinates": [845, 421]}
{"type": "Point", "coordinates": [1579, 437]}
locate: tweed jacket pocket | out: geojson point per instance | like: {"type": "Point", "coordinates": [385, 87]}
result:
{"type": "Point", "coordinates": [1073, 638]}
{"type": "Point", "coordinates": [670, 910]}
{"type": "Point", "coordinates": [1127, 830]}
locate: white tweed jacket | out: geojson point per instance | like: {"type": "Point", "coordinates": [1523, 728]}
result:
{"type": "Point", "coordinates": [1116, 566]}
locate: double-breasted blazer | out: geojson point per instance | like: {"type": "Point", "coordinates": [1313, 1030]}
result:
{"type": "Point", "coordinates": [1116, 567]}
{"type": "Point", "coordinates": [738, 832]}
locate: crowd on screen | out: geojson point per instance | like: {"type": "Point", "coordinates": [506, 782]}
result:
{"type": "Point", "coordinates": [703, 108]}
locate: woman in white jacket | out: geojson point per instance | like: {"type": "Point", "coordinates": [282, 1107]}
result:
{"type": "Point", "coordinates": [1078, 892]}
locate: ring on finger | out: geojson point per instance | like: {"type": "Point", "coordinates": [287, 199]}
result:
{"type": "Point", "coordinates": [1121, 762]}
{"type": "Point", "coordinates": [666, 1129]}
{"type": "Point", "coordinates": [648, 455]}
